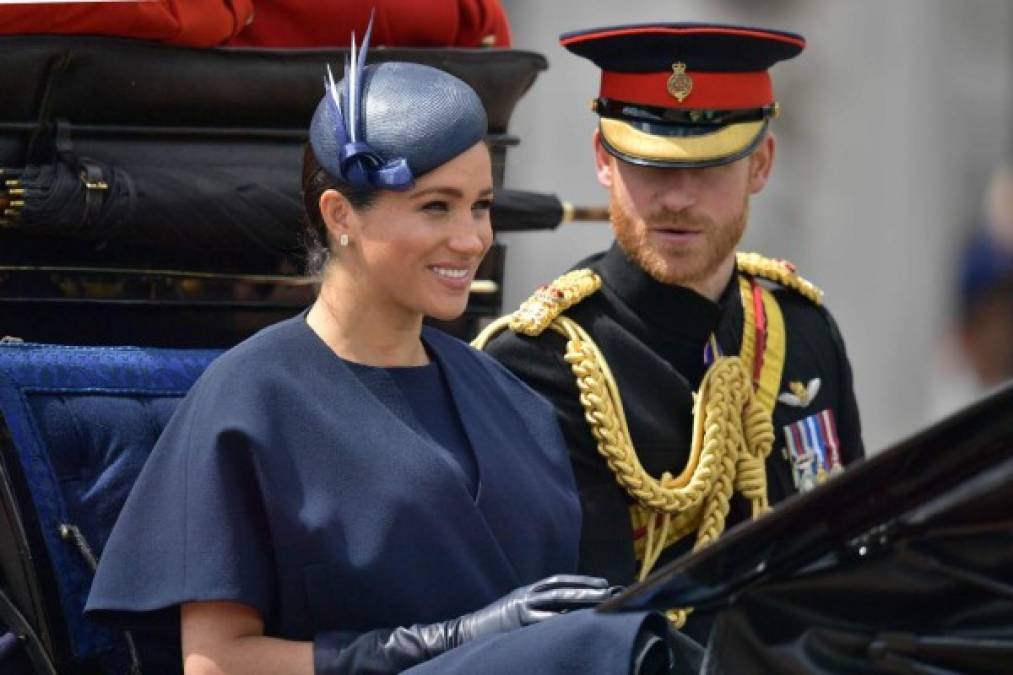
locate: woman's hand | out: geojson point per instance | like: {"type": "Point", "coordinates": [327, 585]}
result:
{"type": "Point", "coordinates": [530, 604]}
{"type": "Point", "coordinates": [227, 638]}
{"type": "Point", "coordinates": [385, 652]}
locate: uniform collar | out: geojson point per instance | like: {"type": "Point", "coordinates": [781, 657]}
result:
{"type": "Point", "coordinates": [667, 306]}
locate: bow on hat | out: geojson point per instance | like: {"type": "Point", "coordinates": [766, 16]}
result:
{"type": "Point", "coordinates": [359, 164]}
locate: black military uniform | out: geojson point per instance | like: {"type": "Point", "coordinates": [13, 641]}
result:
{"type": "Point", "coordinates": [659, 339]}
{"type": "Point", "coordinates": [654, 337]}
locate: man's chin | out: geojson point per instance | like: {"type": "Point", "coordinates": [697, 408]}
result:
{"type": "Point", "coordinates": [671, 269]}
{"type": "Point", "coordinates": [678, 278]}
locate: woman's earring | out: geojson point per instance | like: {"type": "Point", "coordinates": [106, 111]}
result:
{"type": "Point", "coordinates": [343, 240]}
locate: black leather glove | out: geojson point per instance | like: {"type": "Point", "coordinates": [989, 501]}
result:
{"type": "Point", "coordinates": [384, 652]}
{"type": "Point", "coordinates": [528, 605]}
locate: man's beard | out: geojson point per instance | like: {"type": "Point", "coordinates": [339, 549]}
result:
{"type": "Point", "coordinates": [674, 266]}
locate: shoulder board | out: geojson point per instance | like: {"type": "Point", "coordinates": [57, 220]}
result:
{"type": "Point", "coordinates": [549, 301]}
{"type": "Point", "coordinates": [780, 272]}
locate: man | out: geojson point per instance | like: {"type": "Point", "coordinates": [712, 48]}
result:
{"type": "Point", "coordinates": [625, 345]}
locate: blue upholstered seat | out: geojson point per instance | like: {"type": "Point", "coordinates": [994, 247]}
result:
{"type": "Point", "coordinates": [82, 421]}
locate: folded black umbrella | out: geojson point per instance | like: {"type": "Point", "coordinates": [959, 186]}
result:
{"type": "Point", "coordinates": [903, 564]}
{"type": "Point", "coordinates": [236, 209]}
{"type": "Point", "coordinates": [228, 209]}
{"type": "Point", "coordinates": [520, 210]}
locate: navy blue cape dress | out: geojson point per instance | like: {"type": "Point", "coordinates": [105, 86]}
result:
{"type": "Point", "coordinates": [282, 482]}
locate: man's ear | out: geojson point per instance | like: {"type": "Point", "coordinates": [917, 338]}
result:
{"type": "Point", "coordinates": [603, 161]}
{"type": "Point", "coordinates": [337, 214]}
{"type": "Point", "coordinates": [761, 162]}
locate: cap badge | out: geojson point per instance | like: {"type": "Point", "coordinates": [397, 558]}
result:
{"type": "Point", "coordinates": [679, 83]}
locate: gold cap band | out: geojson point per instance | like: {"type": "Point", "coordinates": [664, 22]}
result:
{"type": "Point", "coordinates": [726, 142]}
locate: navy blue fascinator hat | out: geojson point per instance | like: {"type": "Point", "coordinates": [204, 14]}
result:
{"type": "Point", "coordinates": [384, 125]}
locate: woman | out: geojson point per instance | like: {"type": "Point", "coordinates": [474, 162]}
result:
{"type": "Point", "coordinates": [334, 491]}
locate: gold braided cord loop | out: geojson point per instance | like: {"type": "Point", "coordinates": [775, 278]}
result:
{"type": "Point", "coordinates": [489, 332]}
{"type": "Point", "coordinates": [603, 410]}
{"type": "Point", "coordinates": [750, 465]}
{"type": "Point", "coordinates": [750, 475]}
{"type": "Point", "coordinates": [780, 272]}
{"type": "Point", "coordinates": [731, 430]}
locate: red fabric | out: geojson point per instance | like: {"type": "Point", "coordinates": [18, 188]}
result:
{"type": "Point", "coordinates": [720, 91]}
{"type": "Point", "coordinates": [760, 344]}
{"type": "Point", "coordinates": [398, 23]}
{"type": "Point", "coordinates": [194, 23]}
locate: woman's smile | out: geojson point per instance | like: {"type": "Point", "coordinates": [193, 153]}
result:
{"type": "Point", "coordinates": [453, 276]}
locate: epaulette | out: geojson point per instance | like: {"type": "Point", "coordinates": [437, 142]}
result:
{"type": "Point", "coordinates": [780, 272]}
{"type": "Point", "coordinates": [549, 301]}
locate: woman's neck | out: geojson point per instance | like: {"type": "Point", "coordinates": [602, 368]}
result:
{"type": "Point", "coordinates": [361, 328]}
